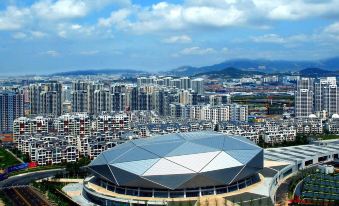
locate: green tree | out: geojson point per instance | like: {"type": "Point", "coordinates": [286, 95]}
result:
{"type": "Point", "coordinates": [260, 201]}
{"type": "Point", "coordinates": [216, 127]}
{"type": "Point", "coordinates": [251, 202]}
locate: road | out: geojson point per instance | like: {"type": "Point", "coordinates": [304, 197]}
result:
{"type": "Point", "coordinates": [25, 179]}
{"type": "Point", "coordinates": [282, 192]}
{"type": "Point", "coordinates": [17, 190]}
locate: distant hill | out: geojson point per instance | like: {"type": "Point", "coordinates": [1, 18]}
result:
{"type": "Point", "coordinates": [100, 72]}
{"type": "Point", "coordinates": [229, 72]}
{"type": "Point", "coordinates": [267, 66]}
{"type": "Point", "coordinates": [316, 72]}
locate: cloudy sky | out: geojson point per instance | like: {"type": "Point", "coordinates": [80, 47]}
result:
{"type": "Point", "coordinates": [44, 36]}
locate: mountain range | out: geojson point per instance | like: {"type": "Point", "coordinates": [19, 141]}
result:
{"type": "Point", "coordinates": [262, 65]}
{"type": "Point", "coordinates": [233, 68]}
{"type": "Point", "coordinates": [316, 72]}
{"type": "Point", "coordinates": [229, 72]}
{"type": "Point", "coordinates": [126, 72]}
{"type": "Point", "coordinates": [232, 72]}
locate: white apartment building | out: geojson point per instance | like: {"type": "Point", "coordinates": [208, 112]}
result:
{"type": "Point", "coordinates": [73, 124]}
{"type": "Point", "coordinates": [24, 126]}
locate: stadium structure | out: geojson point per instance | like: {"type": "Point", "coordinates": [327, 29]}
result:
{"type": "Point", "coordinates": [179, 165]}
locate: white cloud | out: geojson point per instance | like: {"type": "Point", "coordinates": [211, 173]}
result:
{"type": "Point", "coordinates": [62, 34]}
{"type": "Point", "coordinates": [19, 35]}
{"type": "Point", "coordinates": [269, 38]}
{"type": "Point", "coordinates": [215, 17]}
{"type": "Point", "coordinates": [38, 34]}
{"type": "Point", "coordinates": [225, 50]}
{"type": "Point", "coordinates": [76, 26]}
{"type": "Point", "coordinates": [118, 18]}
{"type": "Point", "coordinates": [332, 31]}
{"type": "Point", "coordinates": [166, 16]}
{"type": "Point", "coordinates": [296, 9]}
{"type": "Point", "coordinates": [68, 9]}
{"type": "Point", "coordinates": [178, 39]}
{"type": "Point", "coordinates": [52, 53]}
{"type": "Point", "coordinates": [29, 35]}
{"type": "Point", "coordinates": [67, 30]}
{"type": "Point", "coordinates": [277, 39]}
{"type": "Point", "coordinates": [197, 51]}
{"type": "Point", "coordinates": [13, 18]}
{"type": "Point", "coordinates": [61, 9]}
{"type": "Point", "coordinates": [89, 53]}
{"type": "Point", "coordinates": [46, 12]}
{"type": "Point", "coordinates": [332, 28]}
{"type": "Point", "coordinates": [217, 13]}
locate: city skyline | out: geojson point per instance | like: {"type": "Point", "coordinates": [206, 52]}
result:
{"type": "Point", "coordinates": [45, 36]}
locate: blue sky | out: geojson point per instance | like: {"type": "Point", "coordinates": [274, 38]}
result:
{"type": "Point", "coordinates": [46, 36]}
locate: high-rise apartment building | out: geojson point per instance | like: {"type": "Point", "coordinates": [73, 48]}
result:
{"type": "Point", "coordinates": [167, 81]}
{"type": "Point", "coordinates": [239, 113]}
{"type": "Point", "coordinates": [326, 96]}
{"type": "Point", "coordinates": [320, 97]}
{"type": "Point", "coordinates": [92, 87]}
{"type": "Point", "coordinates": [185, 97]}
{"type": "Point", "coordinates": [80, 101]}
{"type": "Point", "coordinates": [50, 103]}
{"type": "Point", "coordinates": [80, 96]}
{"type": "Point", "coordinates": [219, 99]}
{"type": "Point", "coordinates": [11, 107]}
{"type": "Point", "coordinates": [304, 97]}
{"type": "Point", "coordinates": [175, 83]}
{"type": "Point", "coordinates": [34, 98]}
{"type": "Point", "coordinates": [101, 101]}
{"type": "Point", "coordinates": [145, 80]}
{"type": "Point", "coordinates": [185, 83]}
{"type": "Point", "coordinates": [46, 99]}
{"type": "Point", "coordinates": [198, 85]}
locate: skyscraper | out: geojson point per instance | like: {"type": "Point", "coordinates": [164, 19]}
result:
{"type": "Point", "coordinates": [92, 87]}
{"type": "Point", "coordinates": [185, 97]}
{"type": "Point", "coordinates": [185, 83]}
{"type": "Point", "coordinates": [304, 97]}
{"type": "Point", "coordinates": [34, 98]}
{"type": "Point", "coordinates": [50, 103]}
{"type": "Point", "coordinates": [326, 96]}
{"type": "Point", "coordinates": [198, 85]}
{"type": "Point", "coordinates": [167, 81]}
{"type": "Point", "coordinates": [145, 80]}
{"type": "Point", "coordinates": [80, 96]}
{"type": "Point", "coordinates": [238, 112]}
{"type": "Point", "coordinates": [80, 101]}
{"type": "Point", "coordinates": [101, 101]}
{"type": "Point", "coordinates": [46, 98]}
{"type": "Point", "coordinates": [11, 107]}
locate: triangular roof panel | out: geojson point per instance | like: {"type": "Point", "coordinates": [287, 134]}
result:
{"type": "Point", "coordinates": [190, 161]}
{"type": "Point", "coordinates": [221, 161]}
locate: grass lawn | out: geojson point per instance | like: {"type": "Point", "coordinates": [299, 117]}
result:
{"type": "Point", "coordinates": [327, 136]}
{"type": "Point", "coordinates": [6, 159]}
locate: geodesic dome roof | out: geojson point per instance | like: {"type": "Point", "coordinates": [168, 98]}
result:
{"type": "Point", "coordinates": [179, 160]}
